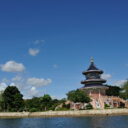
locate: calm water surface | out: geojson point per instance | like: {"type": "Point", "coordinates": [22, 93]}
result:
{"type": "Point", "coordinates": [66, 122]}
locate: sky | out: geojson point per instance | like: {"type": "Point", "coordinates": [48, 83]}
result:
{"type": "Point", "coordinates": [46, 44]}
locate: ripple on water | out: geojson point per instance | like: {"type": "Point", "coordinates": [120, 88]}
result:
{"type": "Point", "coordinates": [67, 122]}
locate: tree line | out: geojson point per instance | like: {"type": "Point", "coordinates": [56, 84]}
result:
{"type": "Point", "coordinates": [11, 100]}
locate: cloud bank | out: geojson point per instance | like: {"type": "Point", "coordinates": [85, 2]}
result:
{"type": "Point", "coordinates": [106, 76]}
{"type": "Point", "coordinates": [120, 82]}
{"type": "Point", "coordinates": [38, 81]}
{"type": "Point", "coordinates": [12, 66]}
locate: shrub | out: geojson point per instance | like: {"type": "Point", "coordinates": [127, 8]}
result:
{"type": "Point", "coordinates": [106, 106]}
{"type": "Point", "coordinates": [33, 110]}
{"type": "Point", "coordinates": [89, 106]}
{"type": "Point", "coordinates": [62, 109]}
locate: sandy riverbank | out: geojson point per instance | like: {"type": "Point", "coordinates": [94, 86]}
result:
{"type": "Point", "coordinates": [105, 112]}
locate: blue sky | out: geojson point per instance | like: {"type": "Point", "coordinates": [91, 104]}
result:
{"type": "Point", "coordinates": [46, 44]}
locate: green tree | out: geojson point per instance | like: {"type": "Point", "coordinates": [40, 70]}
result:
{"type": "Point", "coordinates": [13, 99]}
{"type": "Point", "coordinates": [89, 106]}
{"type": "Point", "coordinates": [113, 91]}
{"type": "Point", "coordinates": [43, 103]}
{"type": "Point", "coordinates": [1, 101]}
{"type": "Point", "coordinates": [124, 91]}
{"type": "Point", "coordinates": [78, 96]}
{"type": "Point", "coordinates": [55, 103]}
{"type": "Point", "coordinates": [46, 102]}
{"type": "Point", "coordinates": [33, 104]}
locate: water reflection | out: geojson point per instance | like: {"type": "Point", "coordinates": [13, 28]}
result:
{"type": "Point", "coordinates": [10, 123]}
{"type": "Point", "coordinates": [97, 122]}
{"type": "Point", "coordinates": [76, 122]}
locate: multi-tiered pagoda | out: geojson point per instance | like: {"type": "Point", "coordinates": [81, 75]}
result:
{"type": "Point", "coordinates": [94, 84]}
{"type": "Point", "coordinates": [93, 78]}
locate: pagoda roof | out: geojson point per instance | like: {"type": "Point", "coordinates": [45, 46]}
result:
{"type": "Point", "coordinates": [93, 76]}
{"type": "Point", "coordinates": [93, 81]}
{"type": "Point", "coordinates": [94, 86]}
{"type": "Point", "coordinates": [92, 68]}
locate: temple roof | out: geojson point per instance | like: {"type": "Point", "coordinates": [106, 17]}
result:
{"type": "Point", "coordinates": [94, 86]}
{"type": "Point", "coordinates": [93, 76]}
{"type": "Point", "coordinates": [91, 81]}
{"type": "Point", "coordinates": [92, 68]}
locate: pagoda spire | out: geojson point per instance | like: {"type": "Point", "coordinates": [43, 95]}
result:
{"type": "Point", "coordinates": [92, 60]}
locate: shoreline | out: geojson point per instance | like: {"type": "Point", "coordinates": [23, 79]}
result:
{"type": "Point", "coordinates": [80, 113]}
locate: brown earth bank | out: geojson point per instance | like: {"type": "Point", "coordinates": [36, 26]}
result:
{"type": "Point", "coordinates": [105, 112]}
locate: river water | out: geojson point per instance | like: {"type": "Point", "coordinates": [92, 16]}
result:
{"type": "Point", "coordinates": [67, 122]}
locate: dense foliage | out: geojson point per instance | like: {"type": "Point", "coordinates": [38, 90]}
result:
{"type": "Point", "coordinates": [124, 91]}
{"type": "Point", "coordinates": [78, 96]}
{"type": "Point", "coordinates": [113, 91]}
{"type": "Point", "coordinates": [13, 99]}
{"type": "Point", "coordinates": [40, 103]}
{"type": "Point", "coordinates": [1, 101]}
{"type": "Point", "coordinates": [89, 106]}
{"type": "Point", "coordinates": [44, 103]}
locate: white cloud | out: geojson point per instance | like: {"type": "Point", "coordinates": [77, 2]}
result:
{"type": "Point", "coordinates": [19, 84]}
{"type": "Point", "coordinates": [29, 87]}
{"type": "Point", "coordinates": [38, 81]}
{"type": "Point", "coordinates": [33, 52]}
{"type": "Point", "coordinates": [39, 41]}
{"type": "Point", "coordinates": [120, 82]}
{"type": "Point", "coordinates": [12, 66]}
{"type": "Point", "coordinates": [17, 78]}
{"type": "Point", "coordinates": [12, 84]}
{"type": "Point", "coordinates": [3, 86]}
{"type": "Point", "coordinates": [33, 91]}
{"type": "Point", "coordinates": [106, 76]}
{"type": "Point", "coordinates": [17, 81]}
